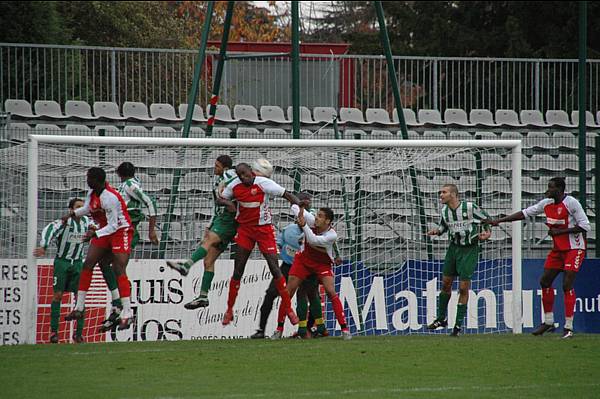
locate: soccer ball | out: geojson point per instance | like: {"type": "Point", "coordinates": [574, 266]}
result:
{"type": "Point", "coordinates": [262, 167]}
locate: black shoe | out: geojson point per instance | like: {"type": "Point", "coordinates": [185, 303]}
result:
{"type": "Point", "coordinates": [567, 333]}
{"type": "Point", "coordinates": [78, 339]}
{"type": "Point", "coordinates": [259, 334]}
{"type": "Point", "coordinates": [74, 315]}
{"type": "Point", "coordinates": [456, 331]}
{"type": "Point", "coordinates": [112, 321]}
{"type": "Point", "coordinates": [179, 266]}
{"type": "Point", "coordinates": [437, 324]}
{"type": "Point", "coordinates": [543, 328]}
{"type": "Point", "coordinates": [200, 302]}
{"type": "Point", "coordinates": [54, 338]}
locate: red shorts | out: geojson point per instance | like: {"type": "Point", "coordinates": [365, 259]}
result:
{"type": "Point", "coordinates": [248, 236]}
{"type": "Point", "coordinates": [119, 241]}
{"type": "Point", "coordinates": [570, 260]}
{"type": "Point", "coordinates": [302, 269]}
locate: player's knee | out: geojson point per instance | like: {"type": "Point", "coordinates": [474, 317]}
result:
{"type": "Point", "coordinates": [57, 296]}
{"type": "Point", "coordinates": [545, 282]}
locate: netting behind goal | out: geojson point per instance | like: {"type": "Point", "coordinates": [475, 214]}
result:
{"type": "Point", "coordinates": [384, 197]}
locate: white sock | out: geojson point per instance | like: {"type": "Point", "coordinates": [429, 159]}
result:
{"type": "Point", "coordinates": [569, 323]}
{"type": "Point", "coordinates": [79, 305]}
{"type": "Point", "coordinates": [115, 294]}
{"type": "Point", "coordinates": [549, 318]}
{"type": "Point", "coordinates": [126, 305]}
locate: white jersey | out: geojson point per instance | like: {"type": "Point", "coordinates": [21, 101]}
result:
{"type": "Point", "coordinates": [253, 201]}
{"type": "Point", "coordinates": [107, 209]}
{"type": "Point", "coordinates": [316, 245]}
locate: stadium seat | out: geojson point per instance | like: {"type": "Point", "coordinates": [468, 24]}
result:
{"type": "Point", "coordinates": [198, 115]}
{"type": "Point", "coordinates": [248, 133]}
{"type": "Point", "coordinates": [18, 131]}
{"type": "Point", "coordinates": [538, 162]}
{"type": "Point", "coordinates": [379, 117]}
{"type": "Point", "coordinates": [409, 117]}
{"type": "Point", "coordinates": [426, 185]}
{"type": "Point", "coordinates": [273, 114]}
{"type": "Point", "coordinates": [467, 184]}
{"type": "Point", "coordinates": [164, 113]}
{"type": "Point", "coordinates": [82, 157]}
{"type": "Point", "coordinates": [313, 184]}
{"type": "Point", "coordinates": [46, 128]}
{"type": "Point", "coordinates": [537, 140]}
{"type": "Point", "coordinates": [135, 131]}
{"type": "Point", "coordinates": [248, 156]}
{"type": "Point", "coordinates": [165, 158]}
{"type": "Point", "coordinates": [356, 134]}
{"type": "Point", "coordinates": [434, 135]}
{"type": "Point", "coordinates": [465, 162]}
{"type": "Point", "coordinates": [568, 162]}
{"type": "Point", "coordinates": [113, 158]}
{"type": "Point", "coordinates": [51, 156]}
{"type": "Point", "coordinates": [533, 118]}
{"type": "Point", "coordinates": [352, 117]}
{"type": "Point", "coordinates": [79, 110]}
{"type": "Point", "coordinates": [496, 184]}
{"type": "Point", "coordinates": [164, 131]}
{"type": "Point", "coordinates": [456, 117]}
{"type": "Point", "coordinates": [486, 135]}
{"type": "Point", "coordinates": [109, 130]}
{"type": "Point", "coordinates": [275, 133]}
{"type": "Point", "coordinates": [325, 114]}
{"type": "Point", "coordinates": [161, 182]}
{"type": "Point", "coordinates": [246, 114]}
{"type": "Point", "coordinates": [383, 135]}
{"type": "Point", "coordinates": [107, 111]}
{"type": "Point", "coordinates": [460, 135]}
{"type": "Point", "coordinates": [136, 111]}
{"type": "Point", "coordinates": [52, 181]}
{"type": "Point", "coordinates": [511, 136]}
{"type": "Point", "coordinates": [507, 118]}
{"type": "Point", "coordinates": [139, 157]}
{"type": "Point", "coordinates": [76, 181]}
{"type": "Point", "coordinates": [532, 186]}
{"type": "Point", "coordinates": [49, 110]}
{"type": "Point", "coordinates": [305, 116]}
{"type": "Point", "coordinates": [495, 162]}
{"type": "Point", "coordinates": [80, 130]}
{"type": "Point", "coordinates": [430, 117]}
{"type": "Point", "coordinates": [19, 109]}
{"type": "Point", "coordinates": [482, 118]}
{"type": "Point", "coordinates": [222, 115]}
{"type": "Point", "coordinates": [559, 118]}
{"type": "Point", "coordinates": [565, 140]}
{"type": "Point", "coordinates": [195, 132]}
{"type": "Point", "coordinates": [589, 119]}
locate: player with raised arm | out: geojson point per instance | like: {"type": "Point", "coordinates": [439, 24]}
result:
{"type": "Point", "coordinates": [463, 221]}
{"type": "Point", "coordinates": [568, 225]}
{"type": "Point", "coordinates": [219, 234]}
{"type": "Point", "coordinates": [316, 257]}
{"type": "Point", "coordinates": [112, 239]}
{"type": "Point", "coordinates": [251, 194]}
{"type": "Point", "coordinates": [67, 262]}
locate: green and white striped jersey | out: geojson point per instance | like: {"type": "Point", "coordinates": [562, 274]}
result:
{"type": "Point", "coordinates": [463, 223]}
{"type": "Point", "coordinates": [219, 183]}
{"type": "Point", "coordinates": [135, 198]}
{"type": "Point", "coordinates": [67, 236]}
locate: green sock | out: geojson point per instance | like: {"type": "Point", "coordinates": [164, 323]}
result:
{"type": "Point", "coordinates": [198, 254]}
{"type": "Point", "coordinates": [320, 325]}
{"type": "Point", "coordinates": [206, 281]}
{"type": "Point", "coordinates": [79, 330]}
{"type": "Point", "coordinates": [302, 328]}
{"type": "Point", "coordinates": [109, 277]}
{"type": "Point", "coordinates": [461, 311]}
{"type": "Point", "coordinates": [301, 308]}
{"type": "Point", "coordinates": [54, 315]}
{"type": "Point", "coordinates": [315, 307]}
{"type": "Point", "coordinates": [443, 300]}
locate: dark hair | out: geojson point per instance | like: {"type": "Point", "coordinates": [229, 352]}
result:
{"type": "Point", "coordinates": [452, 187]}
{"type": "Point", "coordinates": [328, 213]}
{"type": "Point", "coordinates": [97, 174]}
{"type": "Point", "coordinates": [242, 165]}
{"type": "Point", "coordinates": [559, 182]}
{"type": "Point", "coordinates": [126, 169]}
{"type": "Point", "coordinates": [225, 160]}
{"type": "Point", "coordinates": [72, 202]}
{"type": "Point", "coordinates": [304, 196]}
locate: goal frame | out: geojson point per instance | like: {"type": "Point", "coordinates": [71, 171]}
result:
{"type": "Point", "coordinates": [32, 182]}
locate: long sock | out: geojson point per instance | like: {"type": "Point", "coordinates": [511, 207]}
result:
{"type": "Point", "coordinates": [207, 279]}
{"type": "Point", "coordinates": [461, 311]}
{"type": "Point", "coordinates": [315, 307]}
{"type": "Point", "coordinates": [198, 254]}
{"type": "Point", "coordinates": [281, 313]}
{"type": "Point", "coordinates": [339, 311]}
{"type": "Point", "coordinates": [302, 327]}
{"type": "Point", "coordinates": [111, 282]}
{"type": "Point", "coordinates": [285, 296]}
{"type": "Point", "coordinates": [85, 280]}
{"type": "Point", "coordinates": [548, 304]}
{"type": "Point", "coordinates": [124, 291]}
{"type": "Point", "coordinates": [570, 298]}
{"type": "Point", "coordinates": [265, 309]}
{"type": "Point", "coordinates": [302, 308]}
{"type": "Point", "coordinates": [443, 299]}
{"type": "Point", "coordinates": [234, 287]}
{"type": "Point", "coordinates": [80, 324]}
{"type": "Point", "coordinates": [54, 315]}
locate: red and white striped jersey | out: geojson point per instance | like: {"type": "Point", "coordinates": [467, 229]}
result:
{"type": "Point", "coordinates": [317, 248]}
{"type": "Point", "coordinates": [108, 210]}
{"type": "Point", "coordinates": [253, 201]}
{"type": "Point", "coordinates": [566, 214]}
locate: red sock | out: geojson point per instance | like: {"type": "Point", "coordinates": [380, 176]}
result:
{"type": "Point", "coordinates": [338, 310]}
{"type": "Point", "coordinates": [124, 286]}
{"type": "Point", "coordinates": [548, 299]}
{"type": "Point", "coordinates": [281, 314]}
{"type": "Point", "coordinates": [570, 303]}
{"type": "Point", "coordinates": [85, 279]}
{"type": "Point", "coordinates": [234, 287]}
{"type": "Point", "coordinates": [286, 302]}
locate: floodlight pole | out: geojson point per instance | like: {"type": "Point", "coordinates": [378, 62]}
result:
{"type": "Point", "coordinates": [582, 103]}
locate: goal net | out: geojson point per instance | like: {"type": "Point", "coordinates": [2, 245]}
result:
{"type": "Point", "coordinates": [384, 194]}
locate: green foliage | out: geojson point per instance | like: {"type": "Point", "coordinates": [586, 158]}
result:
{"type": "Point", "coordinates": [32, 22]}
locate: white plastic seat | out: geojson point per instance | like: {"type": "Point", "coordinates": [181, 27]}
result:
{"type": "Point", "coordinates": [530, 185]}
{"type": "Point", "coordinates": [82, 157]}
{"type": "Point", "coordinates": [275, 133]}
{"type": "Point", "coordinates": [109, 130]}
{"type": "Point", "coordinates": [136, 111]}
{"type": "Point", "coordinates": [467, 184]}
{"type": "Point", "coordinates": [568, 162]}
{"type": "Point", "coordinates": [305, 116]}
{"type": "Point", "coordinates": [430, 117]}
{"type": "Point", "coordinates": [135, 131]}
{"type": "Point", "coordinates": [507, 117]}
{"type": "Point", "coordinates": [248, 133]}
{"type": "Point", "coordinates": [482, 117]}
{"type": "Point", "coordinates": [51, 156]}
{"type": "Point", "coordinates": [558, 118]}
{"type": "Point", "coordinates": [565, 140]}
{"type": "Point", "coordinates": [495, 162]}
{"type": "Point", "coordinates": [80, 130]}
{"type": "Point", "coordinates": [589, 119]}
{"type": "Point", "coordinates": [76, 181]}
{"type": "Point", "coordinates": [537, 140]}
{"type": "Point", "coordinates": [49, 110]}
{"type": "Point", "coordinates": [274, 114]}
{"type": "Point", "coordinates": [52, 181]}
{"type": "Point", "coordinates": [222, 114]}
{"type": "Point", "coordinates": [456, 116]}
{"type": "Point", "coordinates": [486, 135]}
{"type": "Point", "coordinates": [18, 131]}
{"type": "Point", "coordinates": [165, 158]}
{"type": "Point", "coordinates": [382, 134]}
{"type": "Point", "coordinates": [46, 128]}
{"type": "Point", "coordinates": [19, 109]}
{"type": "Point", "coordinates": [460, 135]}
{"type": "Point", "coordinates": [465, 161]}
{"type": "Point", "coordinates": [197, 116]}
{"type": "Point", "coordinates": [246, 114]}
{"type": "Point", "coordinates": [79, 110]}
{"type": "Point", "coordinates": [164, 113]}
{"type": "Point", "coordinates": [379, 117]}
{"type": "Point", "coordinates": [108, 110]}
{"type": "Point", "coordinates": [434, 134]}
{"type": "Point", "coordinates": [164, 131]}
{"type": "Point", "coordinates": [409, 117]}
{"type": "Point", "coordinates": [539, 162]}
{"type": "Point", "coordinates": [533, 118]}
{"type": "Point", "coordinates": [325, 114]}
{"type": "Point", "coordinates": [352, 117]}
{"type": "Point", "coordinates": [511, 136]}
{"type": "Point", "coordinates": [495, 184]}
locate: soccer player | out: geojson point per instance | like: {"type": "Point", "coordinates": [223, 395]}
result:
{"type": "Point", "coordinates": [219, 234]}
{"type": "Point", "coordinates": [255, 226]}
{"type": "Point", "coordinates": [316, 257]}
{"type": "Point", "coordinates": [463, 221]}
{"type": "Point", "coordinates": [289, 242]}
{"type": "Point", "coordinates": [568, 226]}
{"type": "Point", "coordinates": [112, 238]}
{"type": "Point", "coordinates": [67, 262]}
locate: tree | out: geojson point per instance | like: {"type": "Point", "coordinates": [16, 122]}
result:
{"type": "Point", "coordinates": [32, 22]}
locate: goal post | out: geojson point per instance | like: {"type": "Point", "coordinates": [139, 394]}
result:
{"type": "Point", "coordinates": [364, 181]}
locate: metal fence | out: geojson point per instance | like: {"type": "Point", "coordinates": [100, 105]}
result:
{"type": "Point", "coordinates": [61, 73]}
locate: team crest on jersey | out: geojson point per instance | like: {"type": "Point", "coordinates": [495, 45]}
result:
{"type": "Point", "coordinates": [253, 191]}
{"type": "Point", "coordinates": [559, 211]}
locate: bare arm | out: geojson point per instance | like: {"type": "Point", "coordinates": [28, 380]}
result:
{"type": "Point", "coordinates": [510, 218]}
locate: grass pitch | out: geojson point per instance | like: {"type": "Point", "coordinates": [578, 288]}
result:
{"type": "Point", "coordinates": [490, 366]}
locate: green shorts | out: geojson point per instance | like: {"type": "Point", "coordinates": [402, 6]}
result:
{"type": "Point", "coordinates": [225, 228]}
{"type": "Point", "coordinates": [136, 237]}
{"type": "Point", "coordinates": [461, 261]}
{"type": "Point", "coordinates": [66, 275]}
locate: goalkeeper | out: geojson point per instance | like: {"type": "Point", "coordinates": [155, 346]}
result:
{"type": "Point", "coordinates": [67, 263]}
{"type": "Point", "coordinates": [462, 221]}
